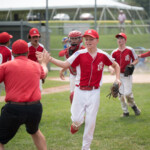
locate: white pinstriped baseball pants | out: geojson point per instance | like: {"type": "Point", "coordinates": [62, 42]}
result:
{"type": "Point", "coordinates": [85, 103]}
{"type": "Point", "coordinates": [126, 92]}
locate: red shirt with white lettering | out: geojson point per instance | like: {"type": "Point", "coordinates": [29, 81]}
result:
{"type": "Point", "coordinates": [89, 70]}
{"type": "Point", "coordinates": [21, 77]}
{"type": "Point", "coordinates": [5, 54]}
{"type": "Point", "coordinates": [125, 57]}
{"type": "Point", "coordinates": [32, 51]}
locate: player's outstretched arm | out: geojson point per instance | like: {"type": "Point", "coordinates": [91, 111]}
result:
{"type": "Point", "coordinates": [147, 54]}
{"type": "Point", "coordinates": [59, 63]}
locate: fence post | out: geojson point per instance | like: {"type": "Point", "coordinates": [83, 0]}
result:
{"type": "Point", "coordinates": [47, 33]}
{"type": "Point", "coordinates": [21, 29]}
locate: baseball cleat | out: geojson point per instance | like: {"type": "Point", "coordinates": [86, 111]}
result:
{"type": "Point", "coordinates": [125, 114]}
{"type": "Point", "coordinates": [136, 110]}
{"type": "Point", "coordinates": [74, 128]}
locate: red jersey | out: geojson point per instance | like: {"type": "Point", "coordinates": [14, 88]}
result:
{"type": "Point", "coordinates": [65, 53]}
{"type": "Point", "coordinates": [21, 77]}
{"type": "Point", "coordinates": [145, 54]}
{"type": "Point", "coordinates": [125, 57]}
{"type": "Point", "coordinates": [5, 54]}
{"type": "Point", "coordinates": [32, 51]}
{"type": "Point", "coordinates": [89, 70]}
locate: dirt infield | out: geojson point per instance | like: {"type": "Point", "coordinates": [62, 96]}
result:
{"type": "Point", "coordinates": [137, 78]}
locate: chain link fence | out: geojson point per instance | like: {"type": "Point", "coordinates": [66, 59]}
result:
{"type": "Point", "coordinates": [138, 35]}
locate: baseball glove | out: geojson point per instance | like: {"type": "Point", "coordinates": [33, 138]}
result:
{"type": "Point", "coordinates": [43, 81]}
{"type": "Point", "coordinates": [114, 90]}
{"type": "Point", "coordinates": [129, 70]}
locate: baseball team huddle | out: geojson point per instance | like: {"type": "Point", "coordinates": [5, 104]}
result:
{"type": "Point", "coordinates": [24, 68]}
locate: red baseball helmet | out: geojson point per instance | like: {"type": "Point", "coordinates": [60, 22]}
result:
{"type": "Point", "coordinates": [75, 33]}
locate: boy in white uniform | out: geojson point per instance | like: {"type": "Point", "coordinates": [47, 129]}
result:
{"type": "Point", "coordinates": [89, 64]}
{"type": "Point", "coordinates": [124, 56]}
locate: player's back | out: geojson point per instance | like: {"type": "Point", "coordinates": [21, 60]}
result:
{"type": "Point", "coordinates": [26, 75]}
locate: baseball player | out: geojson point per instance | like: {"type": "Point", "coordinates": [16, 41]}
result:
{"type": "Point", "coordinates": [21, 77]}
{"type": "Point", "coordinates": [34, 45]}
{"type": "Point", "coordinates": [89, 64]}
{"type": "Point", "coordinates": [65, 42]}
{"type": "Point", "coordinates": [75, 38]}
{"type": "Point", "coordinates": [5, 52]}
{"type": "Point", "coordinates": [124, 56]}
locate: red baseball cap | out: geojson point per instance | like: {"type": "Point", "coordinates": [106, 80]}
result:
{"type": "Point", "coordinates": [34, 32]}
{"type": "Point", "coordinates": [20, 47]}
{"type": "Point", "coordinates": [92, 33]}
{"type": "Point", "coordinates": [5, 37]}
{"type": "Point", "coordinates": [122, 35]}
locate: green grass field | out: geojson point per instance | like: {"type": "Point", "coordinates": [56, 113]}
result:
{"type": "Point", "coordinates": [112, 132]}
{"type": "Point", "coordinates": [107, 41]}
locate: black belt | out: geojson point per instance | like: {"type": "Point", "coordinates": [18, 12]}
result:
{"type": "Point", "coordinates": [23, 103]}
